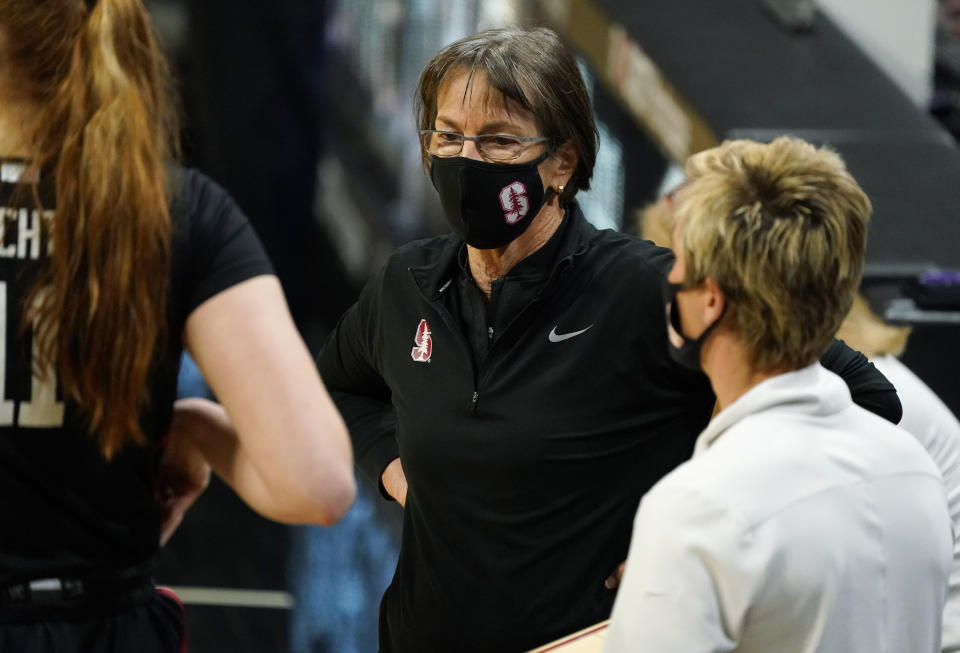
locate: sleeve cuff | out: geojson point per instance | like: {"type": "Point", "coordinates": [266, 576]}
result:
{"type": "Point", "coordinates": [375, 459]}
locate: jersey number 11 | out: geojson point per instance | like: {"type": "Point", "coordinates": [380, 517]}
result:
{"type": "Point", "coordinates": [43, 410]}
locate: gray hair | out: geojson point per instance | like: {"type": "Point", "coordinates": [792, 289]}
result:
{"type": "Point", "coordinates": [535, 71]}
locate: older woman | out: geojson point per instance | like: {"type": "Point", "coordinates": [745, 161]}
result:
{"type": "Point", "coordinates": [509, 383]}
{"type": "Point", "coordinates": [803, 522]}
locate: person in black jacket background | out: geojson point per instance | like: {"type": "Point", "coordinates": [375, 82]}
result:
{"type": "Point", "coordinates": [509, 383]}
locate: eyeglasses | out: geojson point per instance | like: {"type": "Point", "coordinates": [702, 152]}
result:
{"type": "Point", "coordinates": [496, 147]}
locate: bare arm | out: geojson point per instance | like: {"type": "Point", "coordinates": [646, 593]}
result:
{"type": "Point", "coordinates": [287, 453]}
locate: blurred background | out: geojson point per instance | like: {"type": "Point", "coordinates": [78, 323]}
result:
{"type": "Point", "coordinates": [302, 109]}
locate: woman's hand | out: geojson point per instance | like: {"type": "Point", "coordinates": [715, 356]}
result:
{"type": "Point", "coordinates": [395, 481]}
{"type": "Point", "coordinates": [613, 580]}
{"type": "Point", "coordinates": [184, 473]}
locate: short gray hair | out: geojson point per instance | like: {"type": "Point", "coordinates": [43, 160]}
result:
{"type": "Point", "coordinates": [531, 68]}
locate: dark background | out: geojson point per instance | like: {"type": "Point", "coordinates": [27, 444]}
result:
{"type": "Point", "coordinates": [302, 109]}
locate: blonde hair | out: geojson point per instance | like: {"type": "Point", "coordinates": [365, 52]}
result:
{"type": "Point", "coordinates": [655, 223]}
{"type": "Point", "coordinates": [107, 129]}
{"type": "Point", "coordinates": [866, 332]}
{"type": "Point", "coordinates": [782, 229]}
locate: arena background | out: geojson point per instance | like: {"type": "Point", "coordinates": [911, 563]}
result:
{"type": "Point", "coordinates": [303, 111]}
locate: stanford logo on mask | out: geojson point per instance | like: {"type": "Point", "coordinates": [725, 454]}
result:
{"type": "Point", "coordinates": [422, 352]}
{"type": "Point", "coordinates": [488, 204]}
{"type": "Point", "coordinates": [513, 199]}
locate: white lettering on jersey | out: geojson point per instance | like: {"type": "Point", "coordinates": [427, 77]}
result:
{"type": "Point", "coordinates": [28, 235]}
{"type": "Point", "coordinates": [29, 224]}
{"type": "Point", "coordinates": [6, 406]}
{"type": "Point", "coordinates": [11, 171]}
{"type": "Point", "coordinates": [7, 214]}
{"type": "Point", "coordinates": [43, 410]}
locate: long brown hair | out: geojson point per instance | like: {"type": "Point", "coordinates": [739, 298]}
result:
{"type": "Point", "coordinates": [106, 129]}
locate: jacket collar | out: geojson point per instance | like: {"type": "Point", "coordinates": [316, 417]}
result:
{"type": "Point", "coordinates": [435, 277]}
{"type": "Point", "coordinates": [812, 390]}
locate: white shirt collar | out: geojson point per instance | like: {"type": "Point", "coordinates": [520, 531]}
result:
{"type": "Point", "coordinates": [811, 390]}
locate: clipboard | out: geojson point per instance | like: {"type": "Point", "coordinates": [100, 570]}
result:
{"type": "Point", "coordinates": [588, 640]}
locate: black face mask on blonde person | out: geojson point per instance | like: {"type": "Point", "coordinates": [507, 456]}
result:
{"type": "Point", "coordinates": [488, 204]}
{"type": "Point", "coordinates": [684, 350]}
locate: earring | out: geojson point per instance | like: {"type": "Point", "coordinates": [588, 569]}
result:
{"type": "Point", "coordinates": [560, 189]}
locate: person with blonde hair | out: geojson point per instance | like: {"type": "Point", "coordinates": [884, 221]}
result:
{"type": "Point", "coordinates": [926, 417]}
{"type": "Point", "coordinates": [112, 259]}
{"type": "Point", "coordinates": [803, 522]}
{"type": "Point", "coordinates": [924, 414]}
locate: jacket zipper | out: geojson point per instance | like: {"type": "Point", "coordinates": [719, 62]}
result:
{"type": "Point", "coordinates": [547, 287]}
{"type": "Point", "coordinates": [455, 328]}
{"type": "Point", "coordinates": [479, 366]}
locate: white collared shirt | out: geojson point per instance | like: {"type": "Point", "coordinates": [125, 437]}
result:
{"type": "Point", "coordinates": [803, 523]}
{"type": "Point", "coordinates": [929, 420]}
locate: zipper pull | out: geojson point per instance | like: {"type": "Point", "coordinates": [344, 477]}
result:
{"type": "Point", "coordinates": [473, 401]}
{"type": "Point", "coordinates": [489, 335]}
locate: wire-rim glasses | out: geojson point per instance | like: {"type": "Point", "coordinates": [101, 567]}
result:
{"type": "Point", "coordinates": [495, 147]}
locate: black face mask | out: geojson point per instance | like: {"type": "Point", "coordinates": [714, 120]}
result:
{"type": "Point", "coordinates": [488, 204]}
{"type": "Point", "coordinates": [687, 354]}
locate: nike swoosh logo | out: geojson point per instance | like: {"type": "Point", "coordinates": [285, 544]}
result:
{"type": "Point", "coordinates": [560, 337]}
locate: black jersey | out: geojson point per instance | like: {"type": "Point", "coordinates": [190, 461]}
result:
{"type": "Point", "coordinates": [65, 510]}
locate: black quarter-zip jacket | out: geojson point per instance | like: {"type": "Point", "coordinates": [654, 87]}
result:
{"type": "Point", "coordinates": [526, 461]}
